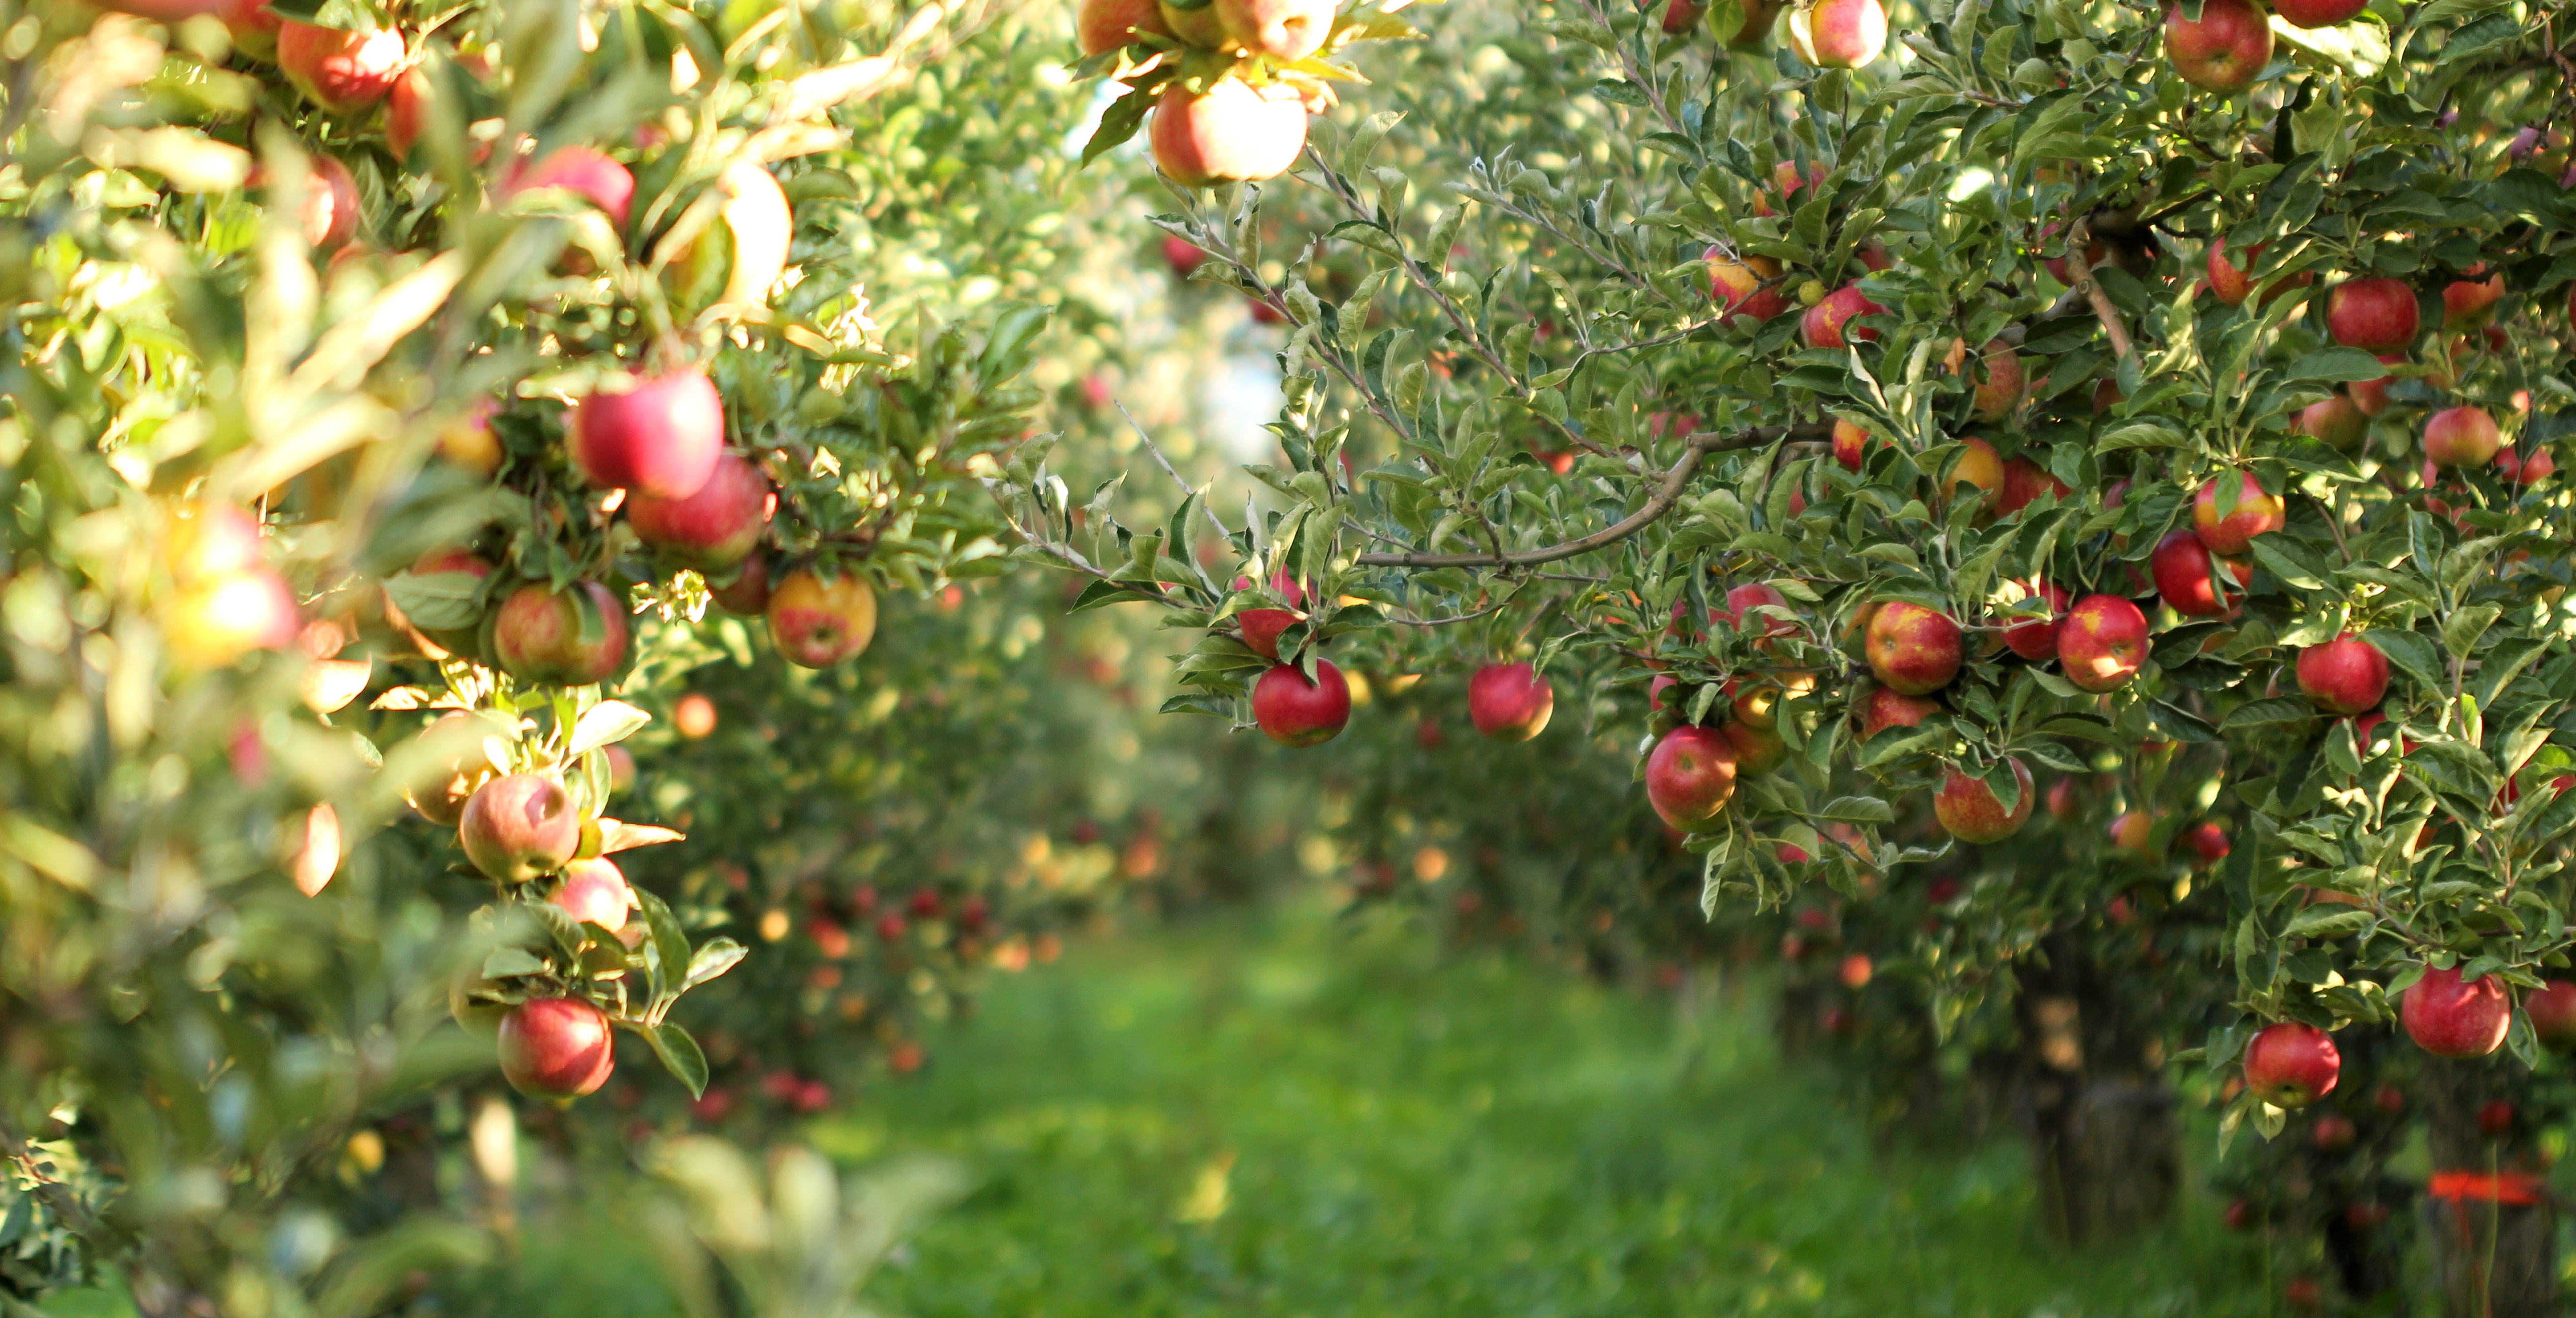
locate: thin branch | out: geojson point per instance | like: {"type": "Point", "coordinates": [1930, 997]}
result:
{"type": "Point", "coordinates": [1668, 494]}
{"type": "Point", "coordinates": [1169, 470]}
{"type": "Point", "coordinates": [1443, 622]}
{"type": "Point", "coordinates": [2077, 239]}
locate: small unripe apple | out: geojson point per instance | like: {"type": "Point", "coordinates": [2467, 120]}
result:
{"type": "Point", "coordinates": [2255, 513]}
{"type": "Point", "coordinates": [2035, 636]}
{"type": "Point", "coordinates": [1232, 134]}
{"type": "Point", "coordinates": [2374, 314]}
{"type": "Point", "coordinates": [2463, 436]}
{"type": "Point", "coordinates": [559, 1048]}
{"type": "Point", "coordinates": [2223, 52]}
{"type": "Point", "coordinates": [1913, 650]}
{"type": "Point", "coordinates": [817, 624]}
{"type": "Point", "coordinates": [519, 826]}
{"type": "Point", "coordinates": [1100, 25]}
{"type": "Point", "coordinates": [1971, 812]}
{"type": "Point", "coordinates": [343, 72]}
{"type": "Point", "coordinates": [2290, 1065]}
{"type": "Point", "coordinates": [1690, 776]}
{"type": "Point", "coordinates": [594, 892]}
{"type": "Point", "coordinates": [2102, 643]}
{"type": "Point", "coordinates": [1838, 34]}
{"type": "Point", "coordinates": [658, 438]}
{"type": "Point", "coordinates": [714, 528]}
{"type": "Point", "coordinates": [2336, 422]}
{"type": "Point", "coordinates": [1509, 702]}
{"type": "Point", "coordinates": [2448, 1018]}
{"type": "Point", "coordinates": [1295, 712]}
{"type": "Point", "coordinates": [1737, 286]}
{"type": "Point", "coordinates": [2552, 1009]}
{"type": "Point", "coordinates": [1883, 709]}
{"type": "Point", "coordinates": [1828, 324]}
{"type": "Point", "coordinates": [538, 635]}
{"type": "Point", "coordinates": [586, 172]}
{"type": "Point", "coordinates": [2346, 675]}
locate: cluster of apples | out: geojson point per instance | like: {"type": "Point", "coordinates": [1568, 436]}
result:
{"type": "Point", "coordinates": [2290, 1064]}
{"type": "Point", "coordinates": [1236, 126]}
{"type": "Point", "coordinates": [1506, 701]}
{"type": "Point", "coordinates": [2225, 49]}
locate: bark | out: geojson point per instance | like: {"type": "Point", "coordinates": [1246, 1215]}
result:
{"type": "Point", "coordinates": [2093, 1103]}
{"type": "Point", "coordinates": [2495, 1260]}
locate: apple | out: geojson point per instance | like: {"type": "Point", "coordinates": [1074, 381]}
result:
{"type": "Point", "coordinates": [1261, 627]}
{"type": "Point", "coordinates": [1759, 15]}
{"type": "Point", "coordinates": [2208, 841]}
{"type": "Point", "coordinates": [2024, 481]}
{"type": "Point", "coordinates": [328, 682]}
{"type": "Point", "coordinates": [1100, 25]}
{"type": "Point", "coordinates": [2335, 1134]}
{"type": "Point", "coordinates": [2223, 52]}
{"type": "Point", "coordinates": [252, 25]}
{"type": "Point", "coordinates": [693, 716]}
{"type": "Point", "coordinates": [1283, 30]}
{"type": "Point", "coordinates": [2336, 422]}
{"type": "Point", "coordinates": [1785, 174]}
{"type": "Point", "coordinates": [1232, 134]}
{"type": "Point", "coordinates": [2371, 396]}
{"type": "Point", "coordinates": [2463, 436]}
{"type": "Point", "coordinates": [2290, 1065]}
{"type": "Point", "coordinates": [1757, 750]}
{"type": "Point", "coordinates": [1295, 712]}
{"type": "Point", "coordinates": [469, 442]}
{"type": "Point", "coordinates": [2239, 1215]}
{"type": "Point", "coordinates": [1737, 286]}
{"type": "Point", "coordinates": [2495, 1118]}
{"type": "Point", "coordinates": [817, 623]}
{"type": "Point", "coordinates": [2525, 471]}
{"type": "Point", "coordinates": [2346, 675]}
{"type": "Point", "coordinates": [1182, 255]}
{"type": "Point", "coordinates": [442, 799]}
{"type": "Point", "coordinates": [2448, 1018]}
{"type": "Point", "coordinates": [660, 437]}
{"type": "Point", "coordinates": [2102, 643]}
{"type": "Point", "coordinates": [343, 72]}
{"type": "Point", "coordinates": [213, 622]}
{"type": "Point", "coordinates": [1851, 444]}
{"type": "Point", "coordinates": [2552, 1009]}
{"type": "Point", "coordinates": [2302, 1293]}
{"type": "Point", "coordinates": [1195, 25]}
{"type": "Point", "coordinates": [2388, 1098]}
{"type": "Point", "coordinates": [2034, 637]}
{"type": "Point", "coordinates": [2375, 314]}
{"type": "Point", "coordinates": [2468, 303]}
{"type": "Point", "coordinates": [2318, 13]}
{"type": "Point", "coordinates": [1838, 34]}
{"type": "Point", "coordinates": [1680, 16]}
{"type": "Point", "coordinates": [2227, 283]}
{"type": "Point", "coordinates": [558, 1048]}
{"type": "Point", "coordinates": [1741, 600]}
{"type": "Point", "coordinates": [332, 207]}
{"type": "Point", "coordinates": [1970, 811]}
{"type": "Point", "coordinates": [1828, 323]}
{"type": "Point", "coordinates": [1913, 650]}
{"type": "Point", "coordinates": [594, 892]}
{"type": "Point", "coordinates": [1756, 701]}
{"type": "Point", "coordinates": [714, 528]}
{"type": "Point", "coordinates": [519, 826]}
{"type": "Point", "coordinates": [2254, 513]}
{"type": "Point", "coordinates": [2183, 572]}
{"type": "Point", "coordinates": [538, 635]}
{"type": "Point", "coordinates": [2133, 831]}
{"type": "Point", "coordinates": [747, 594]}
{"type": "Point", "coordinates": [1690, 776]}
{"type": "Point", "coordinates": [1509, 702]}
{"type": "Point", "coordinates": [1978, 465]}
{"type": "Point", "coordinates": [2000, 381]}
{"type": "Point", "coordinates": [1883, 709]}
{"type": "Point", "coordinates": [584, 171]}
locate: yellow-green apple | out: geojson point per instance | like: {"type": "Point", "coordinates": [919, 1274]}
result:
{"type": "Point", "coordinates": [1509, 702]}
{"type": "Point", "coordinates": [2232, 530]}
{"type": "Point", "coordinates": [1284, 30]}
{"type": "Point", "coordinates": [1108, 24]}
{"type": "Point", "coordinates": [1296, 712]}
{"type": "Point", "coordinates": [1838, 34]}
{"type": "Point", "coordinates": [1882, 709]}
{"type": "Point", "coordinates": [1690, 776]}
{"type": "Point", "coordinates": [659, 436]}
{"type": "Point", "coordinates": [2462, 436]}
{"type": "Point", "coordinates": [746, 595]}
{"type": "Point", "coordinates": [1232, 134]}
{"type": "Point", "coordinates": [2133, 831]}
{"type": "Point", "coordinates": [1737, 286]}
{"type": "Point", "coordinates": [2471, 302]}
{"type": "Point", "coordinates": [441, 798]}
{"type": "Point", "coordinates": [2335, 421]}
{"type": "Point", "coordinates": [558, 1048]}
{"type": "Point", "coordinates": [2374, 314]}
{"type": "Point", "coordinates": [1913, 650]}
{"type": "Point", "coordinates": [1828, 324]}
{"type": "Point", "coordinates": [2024, 481]}
{"type": "Point", "coordinates": [2225, 50]}
{"type": "Point", "coordinates": [519, 826]}
{"type": "Point", "coordinates": [2102, 643]}
{"type": "Point", "coordinates": [714, 528]}
{"type": "Point", "coordinates": [211, 622]}
{"type": "Point", "coordinates": [2552, 1009]}
{"type": "Point", "coordinates": [2034, 635]}
{"type": "Point", "coordinates": [2346, 675]}
{"type": "Point", "coordinates": [1977, 465]}
{"type": "Point", "coordinates": [594, 892]}
{"type": "Point", "coordinates": [1970, 811]}
{"type": "Point", "coordinates": [817, 623]}
{"type": "Point", "coordinates": [341, 71]}
{"type": "Point", "coordinates": [1851, 444]}
{"type": "Point", "coordinates": [583, 171]}
{"type": "Point", "coordinates": [2290, 1065]}
{"type": "Point", "coordinates": [469, 442]}
{"type": "Point", "coordinates": [538, 634]}
{"type": "Point", "coordinates": [2448, 1018]}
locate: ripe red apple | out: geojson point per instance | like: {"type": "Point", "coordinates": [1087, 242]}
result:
{"type": "Point", "coordinates": [1851, 444]}
{"type": "Point", "coordinates": [2450, 1019]}
{"type": "Point", "coordinates": [694, 715]}
{"type": "Point", "coordinates": [1970, 811]}
{"type": "Point", "coordinates": [2336, 422]}
{"type": "Point", "coordinates": [1737, 286]}
{"type": "Point", "coordinates": [252, 25]}
{"type": "Point", "coordinates": [2208, 841]}
{"type": "Point", "coordinates": [584, 171]}
{"type": "Point", "coordinates": [659, 438]}
{"type": "Point", "coordinates": [817, 624]}
{"type": "Point", "coordinates": [2064, 802]}
{"type": "Point", "coordinates": [2495, 1118]}
{"type": "Point", "coordinates": [1295, 712]}
{"type": "Point", "coordinates": [1232, 134]}
{"type": "Point", "coordinates": [2371, 396]}
{"type": "Point", "coordinates": [2374, 314]}
{"type": "Point", "coordinates": [1980, 466]}
{"type": "Point", "coordinates": [1100, 25]}
{"type": "Point", "coordinates": [519, 826]}
{"type": "Point", "coordinates": [2318, 13]}
{"type": "Point", "coordinates": [2225, 50]}
{"type": "Point", "coordinates": [2227, 283]}
{"type": "Point", "coordinates": [1680, 16]}
{"type": "Point", "coordinates": [2525, 471]}
{"type": "Point", "coordinates": [2303, 1293]}
{"type": "Point", "coordinates": [1828, 323]}
{"type": "Point", "coordinates": [2035, 637]}
{"type": "Point", "coordinates": [594, 892]}
{"type": "Point", "coordinates": [747, 595]}
{"type": "Point", "coordinates": [343, 72]}
{"type": "Point", "coordinates": [1690, 776]}
{"type": "Point", "coordinates": [1509, 702]}
{"type": "Point", "coordinates": [559, 1048]}
{"type": "Point", "coordinates": [1838, 34]}
{"type": "Point", "coordinates": [2024, 481]}
{"type": "Point", "coordinates": [2462, 436]}
{"type": "Point", "coordinates": [2552, 1009]}
{"type": "Point", "coordinates": [2182, 568]}
{"type": "Point", "coordinates": [1785, 175]}
{"type": "Point", "coordinates": [2102, 643]}
{"type": "Point", "coordinates": [1182, 255]}
{"type": "Point", "coordinates": [2133, 831]}
{"type": "Point", "coordinates": [1740, 600]}
{"type": "Point", "coordinates": [1883, 709]}
{"type": "Point", "coordinates": [2255, 513]}
{"type": "Point", "coordinates": [2468, 303]}
{"type": "Point", "coordinates": [212, 622]}
{"type": "Point", "coordinates": [2239, 1215]}
{"type": "Point", "coordinates": [714, 528]}
{"type": "Point", "coordinates": [538, 635]}
{"type": "Point", "coordinates": [1913, 650]}
{"type": "Point", "coordinates": [1284, 30]}
{"type": "Point", "coordinates": [2346, 675]}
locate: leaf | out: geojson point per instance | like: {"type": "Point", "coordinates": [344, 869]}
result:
{"type": "Point", "coordinates": [439, 601]}
{"type": "Point", "coordinates": [2460, 632]}
{"type": "Point", "coordinates": [2324, 923]}
{"type": "Point", "coordinates": [670, 942]}
{"type": "Point", "coordinates": [1857, 810]}
{"type": "Point", "coordinates": [2411, 654]}
{"type": "Point", "coordinates": [2141, 434]}
{"type": "Point", "coordinates": [604, 724]}
{"type": "Point", "coordinates": [1118, 123]}
{"type": "Point", "coordinates": [2335, 366]}
{"type": "Point", "coordinates": [508, 961]}
{"type": "Point", "coordinates": [617, 835]}
{"type": "Point", "coordinates": [680, 1055]}
{"type": "Point", "coordinates": [713, 958]}
{"type": "Point", "coordinates": [2263, 713]}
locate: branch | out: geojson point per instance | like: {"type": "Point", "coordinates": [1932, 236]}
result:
{"type": "Point", "coordinates": [1169, 469]}
{"type": "Point", "coordinates": [1700, 446]}
{"type": "Point", "coordinates": [2077, 239]}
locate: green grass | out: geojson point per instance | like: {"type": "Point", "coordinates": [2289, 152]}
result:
{"type": "Point", "coordinates": [1310, 1121]}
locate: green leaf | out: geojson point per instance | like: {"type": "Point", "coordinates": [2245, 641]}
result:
{"type": "Point", "coordinates": [1857, 810]}
{"type": "Point", "coordinates": [670, 942]}
{"type": "Point", "coordinates": [680, 1056]}
{"type": "Point", "coordinates": [2412, 655]}
{"type": "Point", "coordinates": [2335, 366]}
{"type": "Point", "coordinates": [713, 958]}
{"type": "Point", "coordinates": [605, 724]}
{"type": "Point", "coordinates": [2263, 713]}
{"type": "Point", "coordinates": [2323, 923]}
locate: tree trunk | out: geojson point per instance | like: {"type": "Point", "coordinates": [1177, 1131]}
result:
{"type": "Point", "coordinates": [2096, 1110]}
{"type": "Point", "coordinates": [2497, 1258]}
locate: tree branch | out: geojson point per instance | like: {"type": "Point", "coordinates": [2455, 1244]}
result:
{"type": "Point", "coordinates": [2077, 240]}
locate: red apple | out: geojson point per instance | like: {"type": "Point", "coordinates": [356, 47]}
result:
{"type": "Point", "coordinates": [584, 171]}
{"type": "Point", "coordinates": [2462, 436]}
{"type": "Point", "coordinates": [1828, 323]}
{"type": "Point", "coordinates": [2552, 1009]}
{"type": "Point", "coordinates": [659, 438]}
{"type": "Point", "coordinates": [2495, 1118]}
{"type": "Point", "coordinates": [2371, 396]}
{"type": "Point", "coordinates": [2346, 675]}
{"type": "Point", "coordinates": [2225, 50]}
{"type": "Point", "coordinates": [1851, 444]}
{"type": "Point", "coordinates": [2336, 422]}
{"type": "Point", "coordinates": [1509, 702]}
{"type": "Point", "coordinates": [1759, 15]}
{"type": "Point", "coordinates": [694, 715]}
{"type": "Point", "coordinates": [1261, 627]}
{"type": "Point", "coordinates": [1756, 701]}
{"type": "Point", "coordinates": [2240, 1215]}
{"type": "Point", "coordinates": [559, 1048]}
{"type": "Point", "coordinates": [2102, 643]}
{"type": "Point", "coordinates": [2183, 572]}
{"type": "Point", "coordinates": [747, 595]}
{"type": "Point", "coordinates": [2318, 13]}
{"type": "Point", "coordinates": [1182, 255]}
{"type": "Point", "coordinates": [817, 624]}
{"type": "Point", "coordinates": [2468, 303]}
{"type": "Point", "coordinates": [2208, 841]}
{"type": "Point", "coordinates": [1838, 34]}
{"type": "Point", "coordinates": [538, 635]}
{"type": "Point", "coordinates": [2227, 283]}
{"type": "Point", "coordinates": [2450, 1019]}
{"type": "Point", "coordinates": [252, 25]}
{"type": "Point", "coordinates": [519, 826]}
{"type": "Point", "coordinates": [2375, 314]}
{"type": "Point", "coordinates": [1785, 174]}
{"type": "Point", "coordinates": [343, 72]}
{"type": "Point", "coordinates": [1970, 811]}
{"type": "Point", "coordinates": [2024, 481]}
{"type": "Point", "coordinates": [2035, 636]}
{"type": "Point", "coordinates": [2302, 1293]}
{"type": "Point", "coordinates": [712, 529]}
{"type": "Point", "coordinates": [2000, 381]}
{"type": "Point", "coordinates": [1100, 25]}
{"type": "Point", "coordinates": [1283, 30]}
{"type": "Point", "coordinates": [1231, 134]}
{"type": "Point", "coordinates": [2254, 513]}
{"type": "Point", "coordinates": [594, 892]}
{"type": "Point", "coordinates": [1680, 16]}
{"type": "Point", "coordinates": [1737, 286]}
{"type": "Point", "coordinates": [2064, 802]}
{"type": "Point", "coordinates": [1980, 466]}
{"type": "Point", "coordinates": [1295, 712]}
{"type": "Point", "coordinates": [2525, 471]}
{"type": "Point", "coordinates": [1690, 776]}
{"type": "Point", "coordinates": [2335, 1134]}
{"type": "Point", "coordinates": [1884, 709]}
{"type": "Point", "coordinates": [1741, 600]}
{"type": "Point", "coordinates": [1913, 650]}
{"type": "Point", "coordinates": [1757, 749]}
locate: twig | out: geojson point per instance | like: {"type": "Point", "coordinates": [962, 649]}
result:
{"type": "Point", "coordinates": [1169, 470]}
{"type": "Point", "coordinates": [2077, 239]}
